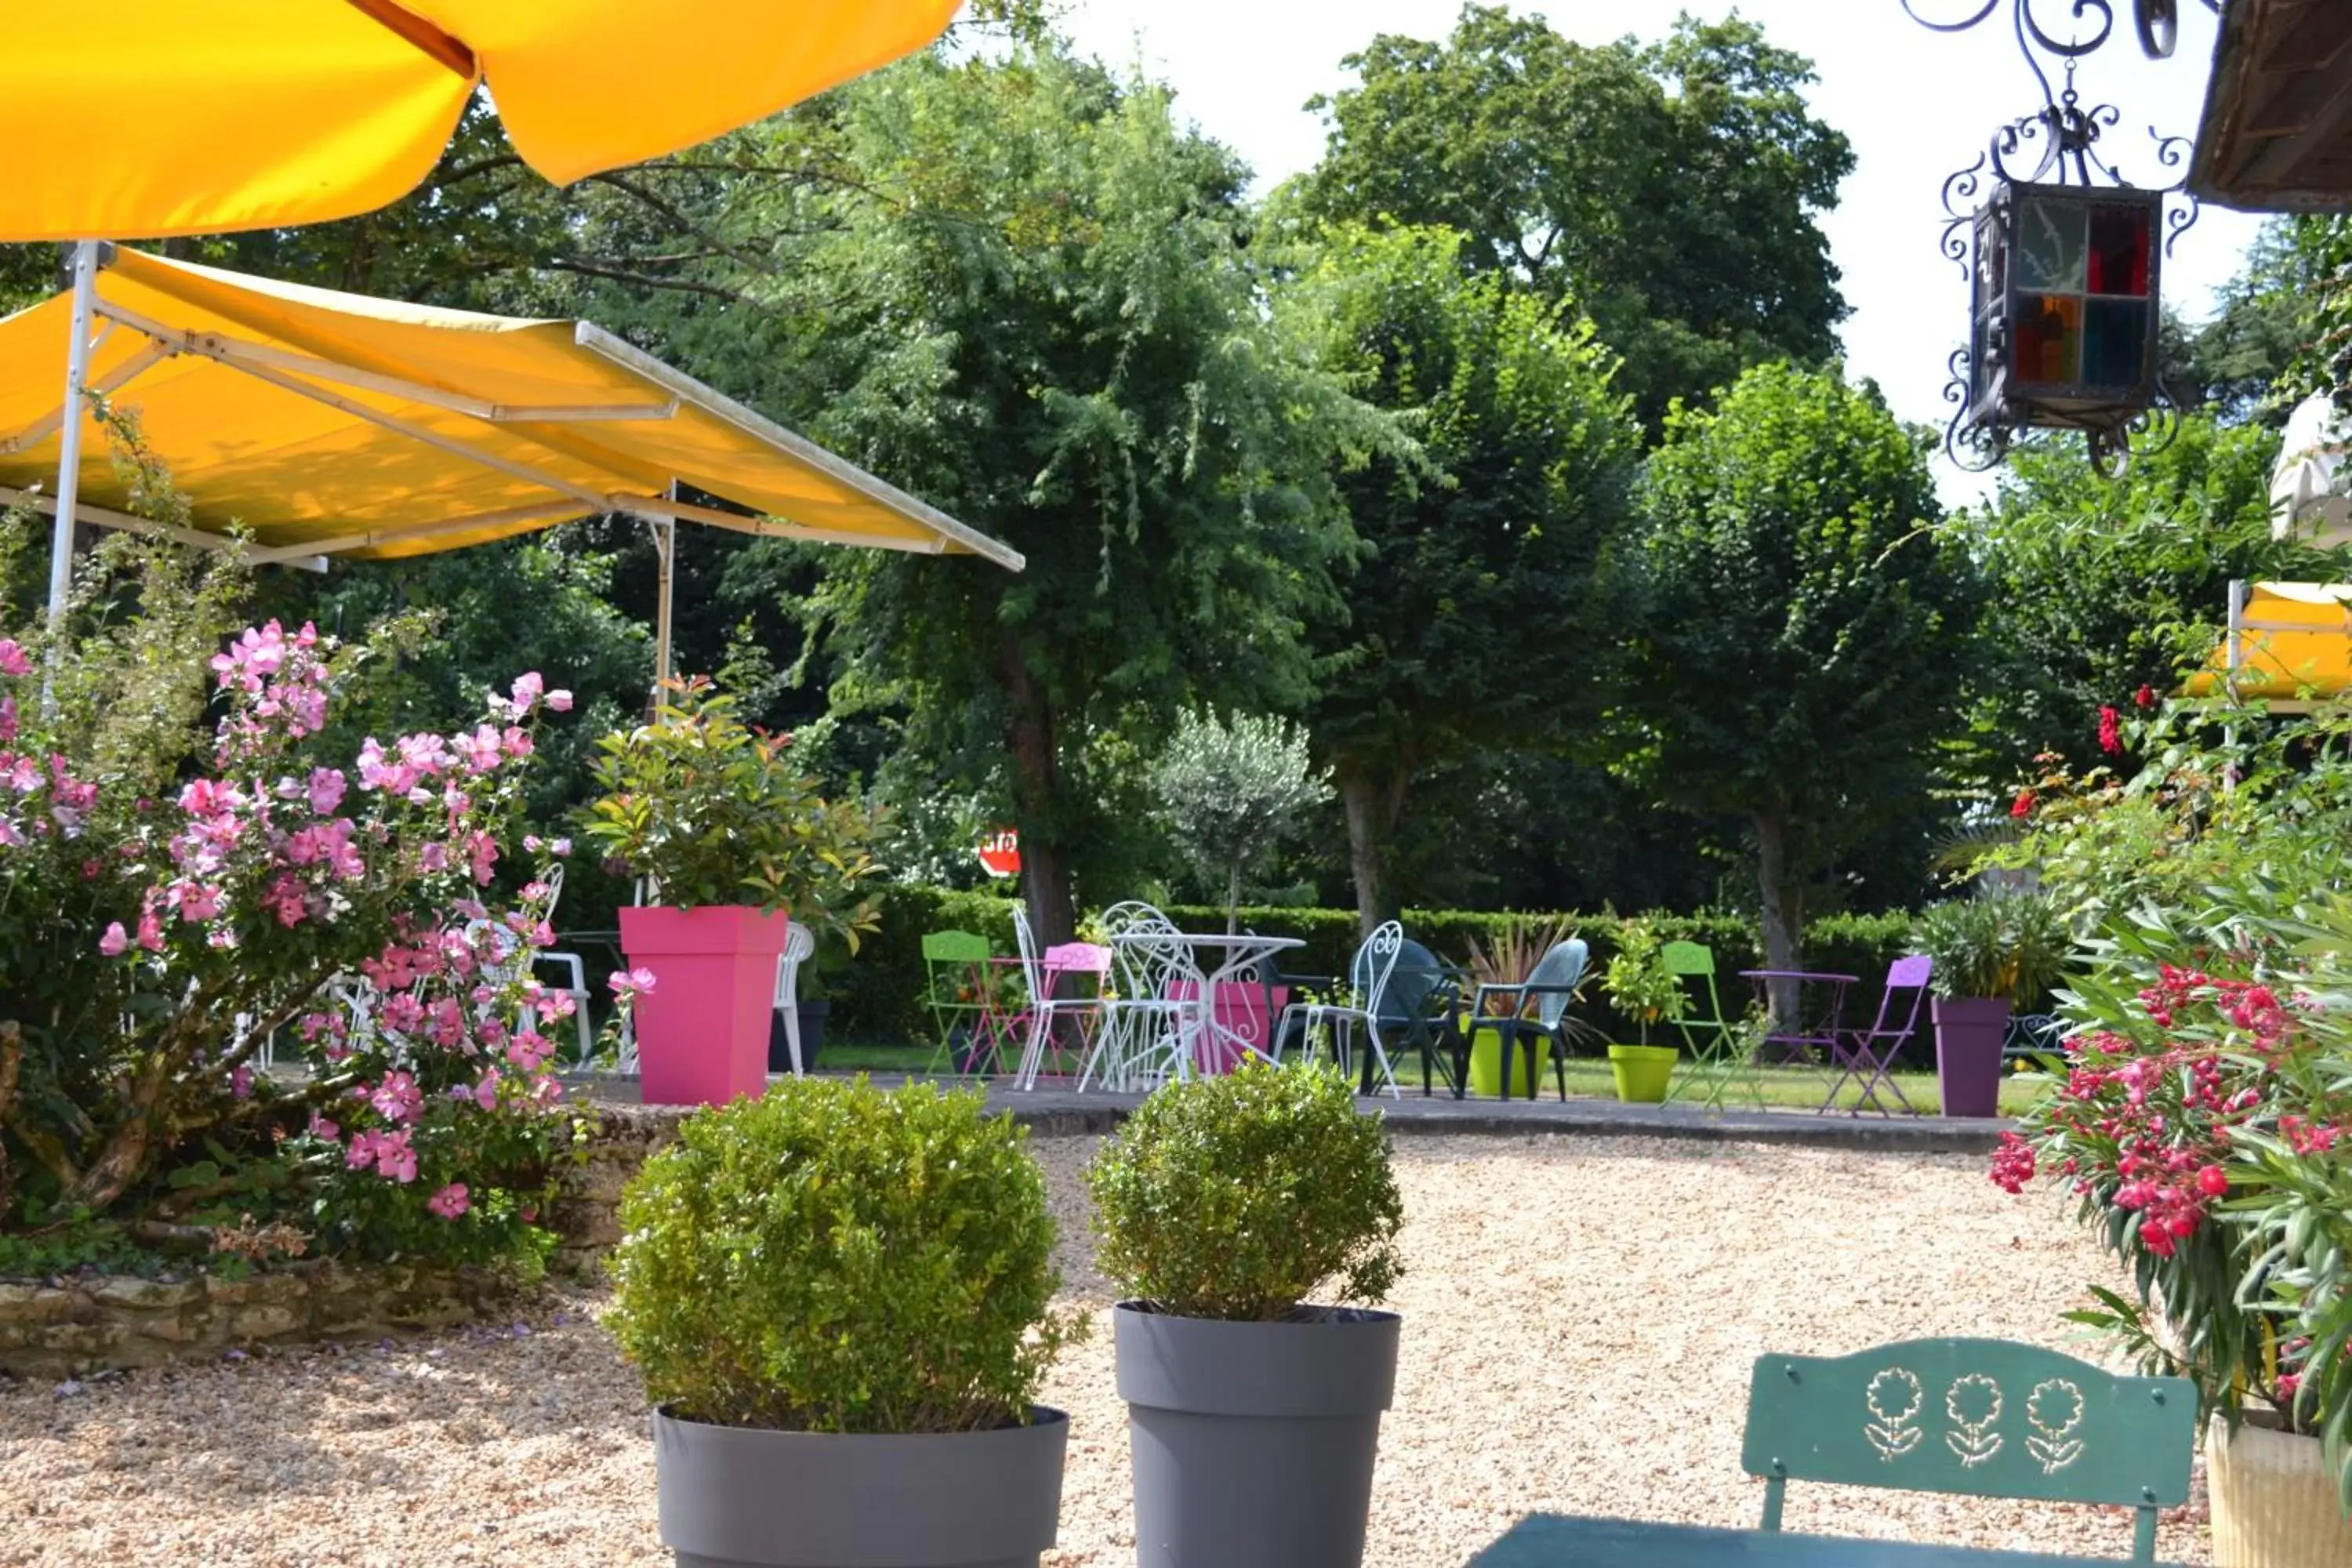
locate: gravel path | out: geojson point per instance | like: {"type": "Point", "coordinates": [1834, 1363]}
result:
{"type": "Point", "coordinates": [1580, 1317]}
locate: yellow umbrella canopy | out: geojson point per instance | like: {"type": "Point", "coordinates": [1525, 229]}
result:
{"type": "Point", "coordinates": [2288, 644]}
{"type": "Point", "coordinates": [171, 117]}
{"type": "Point", "coordinates": [335, 424]}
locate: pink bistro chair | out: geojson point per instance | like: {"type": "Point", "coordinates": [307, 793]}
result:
{"type": "Point", "coordinates": [1043, 977]}
{"type": "Point", "coordinates": [1868, 1055]}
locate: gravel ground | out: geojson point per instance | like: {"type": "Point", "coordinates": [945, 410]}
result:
{"type": "Point", "coordinates": [1580, 1317]}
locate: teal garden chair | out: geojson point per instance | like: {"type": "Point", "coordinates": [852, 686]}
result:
{"type": "Point", "coordinates": [1718, 1056]}
{"type": "Point", "coordinates": [1984, 1418]}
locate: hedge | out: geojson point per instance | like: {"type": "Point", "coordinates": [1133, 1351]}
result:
{"type": "Point", "coordinates": [878, 996]}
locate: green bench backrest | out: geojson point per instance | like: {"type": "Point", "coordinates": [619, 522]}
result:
{"type": "Point", "coordinates": [1979, 1417]}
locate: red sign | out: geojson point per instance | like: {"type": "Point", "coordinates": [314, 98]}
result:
{"type": "Point", "coordinates": [1000, 852]}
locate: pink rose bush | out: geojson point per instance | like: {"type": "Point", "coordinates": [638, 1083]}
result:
{"type": "Point", "coordinates": [181, 896]}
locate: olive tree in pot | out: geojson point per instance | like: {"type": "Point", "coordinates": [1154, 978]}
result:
{"type": "Point", "coordinates": [732, 841]}
{"type": "Point", "coordinates": [1253, 1416]}
{"type": "Point", "coordinates": [1991, 953]}
{"type": "Point", "coordinates": [840, 1301]}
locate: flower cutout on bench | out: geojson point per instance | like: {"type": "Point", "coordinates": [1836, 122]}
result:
{"type": "Point", "coordinates": [1895, 1431]}
{"type": "Point", "coordinates": [1973, 1402]}
{"type": "Point", "coordinates": [2055, 1408]}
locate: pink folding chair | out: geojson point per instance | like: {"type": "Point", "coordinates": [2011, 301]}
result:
{"type": "Point", "coordinates": [1868, 1055]}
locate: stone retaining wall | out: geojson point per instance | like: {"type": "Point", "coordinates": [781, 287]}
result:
{"type": "Point", "coordinates": [74, 1326]}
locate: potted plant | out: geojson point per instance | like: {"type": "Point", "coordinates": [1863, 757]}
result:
{"type": "Point", "coordinates": [843, 1359]}
{"type": "Point", "coordinates": [1253, 1417]}
{"type": "Point", "coordinates": [727, 837]}
{"type": "Point", "coordinates": [1509, 959]}
{"type": "Point", "coordinates": [1991, 953]}
{"type": "Point", "coordinates": [1639, 985]}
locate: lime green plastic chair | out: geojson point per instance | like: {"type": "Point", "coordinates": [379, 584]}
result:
{"type": "Point", "coordinates": [1713, 1041]}
{"type": "Point", "coordinates": [955, 974]}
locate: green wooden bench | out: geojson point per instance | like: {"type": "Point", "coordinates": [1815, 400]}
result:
{"type": "Point", "coordinates": [1977, 1417]}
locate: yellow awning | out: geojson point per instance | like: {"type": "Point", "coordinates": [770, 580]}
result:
{"type": "Point", "coordinates": [336, 424]}
{"type": "Point", "coordinates": [135, 118]}
{"type": "Point", "coordinates": [2288, 644]}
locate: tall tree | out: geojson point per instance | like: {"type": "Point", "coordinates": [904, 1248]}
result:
{"type": "Point", "coordinates": [1469, 625]}
{"type": "Point", "coordinates": [1033, 307]}
{"type": "Point", "coordinates": [2104, 586]}
{"type": "Point", "coordinates": [1672, 189]}
{"type": "Point", "coordinates": [1801, 633]}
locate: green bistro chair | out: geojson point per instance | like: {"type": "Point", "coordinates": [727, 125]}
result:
{"type": "Point", "coordinates": [956, 962]}
{"type": "Point", "coordinates": [1713, 1041]}
{"type": "Point", "coordinates": [1983, 1418]}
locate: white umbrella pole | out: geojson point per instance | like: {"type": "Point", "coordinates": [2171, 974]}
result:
{"type": "Point", "coordinates": [85, 291]}
{"type": "Point", "coordinates": [665, 534]}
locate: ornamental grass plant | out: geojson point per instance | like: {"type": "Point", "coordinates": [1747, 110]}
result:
{"type": "Point", "coordinates": [828, 1257]}
{"type": "Point", "coordinates": [1239, 1196]}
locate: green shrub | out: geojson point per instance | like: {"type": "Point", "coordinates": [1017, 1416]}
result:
{"type": "Point", "coordinates": [1239, 1196]}
{"type": "Point", "coordinates": [830, 1258]}
{"type": "Point", "coordinates": [2008, 947]}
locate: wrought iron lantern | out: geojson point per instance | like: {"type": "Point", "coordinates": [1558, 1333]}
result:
{"type": "Point", "coordinates": [2064, 260]}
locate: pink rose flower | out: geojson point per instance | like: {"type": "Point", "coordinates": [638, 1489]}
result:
{"type": "Point", "coordinates": [115, 941]}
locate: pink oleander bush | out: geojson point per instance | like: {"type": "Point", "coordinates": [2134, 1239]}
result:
{"type": "Point", "coordinates": [192, 863]}
{"type": "Point", "coordinates": [2204, 1125]}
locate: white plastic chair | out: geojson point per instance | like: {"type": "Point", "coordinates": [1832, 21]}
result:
{"type": "Point", "coordinates": [576, 973]}
{"type": "Point", "coordinates": [1368, 979]}
{"type": "Point", "coordinates": [799, 944]}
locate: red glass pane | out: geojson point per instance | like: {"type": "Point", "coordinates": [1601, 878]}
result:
{"type": "Point", "coordinates": [2046, 339]}
{"type": "Point", "coordinates": [2119, 250]}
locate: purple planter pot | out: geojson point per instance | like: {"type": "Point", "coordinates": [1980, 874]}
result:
{"type": "Point", "coordinates": [1968, 1033]}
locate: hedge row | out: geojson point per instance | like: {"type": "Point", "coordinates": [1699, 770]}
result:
{"type": "Point", "coordinates": [878, 994]}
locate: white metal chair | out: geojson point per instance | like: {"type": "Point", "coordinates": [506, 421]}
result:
{"type": "Point", "coordinates": [1043, 976]}
{"type": "Point", "coordinates": [1367, 981]}
{"type": "Point", "coordinates": [800, 942]}
{"type": "Point", "coordinates": [1148, 1025]}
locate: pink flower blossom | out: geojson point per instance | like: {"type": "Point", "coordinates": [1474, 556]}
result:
{"type": "Point", "coordinates": [526, 691]}
{"type": "Point", "coordinates": [8, 718]}
{"type": "Point", "coordinates": [481, 750]}
{"type": "Point", "coordinates": [628, 985]}
{"type": "Point", "coordinates": [449, 1202]}
{"type": "Point", "coordinates": [240, 1081]}
{"type": "Point", "coordinates": [14, 661]}
{"type": "Point", "coordinates": [486, 1093]}
{"type": "Point", "coordinates": [115, 941]}
{"type": "Point", "coordinates": [327, 786]}
{"type": "Point", "coordinates": [322, 1127]}
{"type": "Point", "coordinates": [396, 1160]}
{"type": "Point", "coordinates": [529, 1049]}
{"type": "Point", "coordinates": [397, 1098]}
{"type": "Point", "coordinates": [559, 701]}
{"type": "Point", "coordinates": [150, 930]}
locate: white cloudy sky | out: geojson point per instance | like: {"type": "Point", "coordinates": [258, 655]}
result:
{"type": "Point", "coordinates": [1915, 104]}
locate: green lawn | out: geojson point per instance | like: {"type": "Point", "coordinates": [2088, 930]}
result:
{"type": "Point", "coordinates": [1783, 1088]}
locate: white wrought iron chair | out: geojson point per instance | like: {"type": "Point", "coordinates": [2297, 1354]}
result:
{"type": "Point", "coordinates": [1367, 981]}
{"type": "Point", "coordinates": [800, 942]}
{"type": "Point", "coordinates": [1043, 976]}
{"type": "Point", "coordinates": [1159, 1006]}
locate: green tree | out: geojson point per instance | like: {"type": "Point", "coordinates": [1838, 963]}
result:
{"type": "Point", "coordinates": [2104, 586]}
{"type": "Point", "coordinates": [1801, 632]}
{"type": "Point", "coordinates": [1033, 307]}
{"type": "Point", "coordinates": [1469, 621]}
{"type": "Point", "coordinates": [1671, 190]}
{"type": "Point", "coordinates": [1230, 792]}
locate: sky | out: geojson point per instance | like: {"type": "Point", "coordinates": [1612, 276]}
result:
{"type": "Point", "coordinates": [1915, 104]}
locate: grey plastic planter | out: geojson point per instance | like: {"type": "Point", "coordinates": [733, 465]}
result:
{"type": "Point", "coordinates": [1253, 1442]}
{"type": "Point", "coordinates": [734, 1497]}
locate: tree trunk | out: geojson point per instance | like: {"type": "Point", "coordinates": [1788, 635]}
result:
{"type": "Point", "coordinates": [1783, 914]}
{"type": "Point", "coordinates": [1233, 899]}
{"type": "Point", "coordinates": [1045, 880]}
{"type": "Point", "coordinates": [1374, 805]}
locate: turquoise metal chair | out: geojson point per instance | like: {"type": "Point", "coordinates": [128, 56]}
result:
{"type": "Point", "coordinates": [1983, 1418]}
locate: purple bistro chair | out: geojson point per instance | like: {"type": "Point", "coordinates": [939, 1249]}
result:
{"type": "Point", "coordinates": [1868, 1055]}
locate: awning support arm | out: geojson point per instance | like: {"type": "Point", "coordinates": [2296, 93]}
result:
{"type": "Point", "coordinates": [304, 556]}
{"type": "Point", "coordinates": [113, 381]}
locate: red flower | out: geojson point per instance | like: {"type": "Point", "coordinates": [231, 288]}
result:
{"type": "Point", "coordinates": [2144, 697]}
{"type": "Point", "coordinates": [2212, 1182]}
{"type": "Point", "coordinates": [2023, 805]}
{"type": "Point", "coordinates": [2012, 1163]}
{"type": "Point", "coordinates": [2111, 734]}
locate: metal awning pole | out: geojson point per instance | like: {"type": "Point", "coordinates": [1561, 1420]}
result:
{"type": "Point", "coordinates": [664, 533]}
{"type": "Point", "coordinates": [85, 292]}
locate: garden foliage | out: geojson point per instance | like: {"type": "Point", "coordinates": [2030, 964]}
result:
{"type": "Point", "coordinates": [830, 1258]}
{"type": "Point", "coordinates": [2009, 947]}
{"type": "Point", "coordinates": [190, 869]}
{"type": "Point", "coordinates": [1241, 1195]}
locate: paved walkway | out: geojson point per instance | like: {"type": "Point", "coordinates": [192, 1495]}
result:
{"type": "Point", "coordinates": [1064, 1112]}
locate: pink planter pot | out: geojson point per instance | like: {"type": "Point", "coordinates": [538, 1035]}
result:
{"type": "Point", "coordinates": [702, 1030]}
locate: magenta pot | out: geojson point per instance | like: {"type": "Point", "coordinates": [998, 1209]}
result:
{"type": "Point", "coordinates": [702, 1030]}
{"type": "Point", "coordinates": [1969, 1034]}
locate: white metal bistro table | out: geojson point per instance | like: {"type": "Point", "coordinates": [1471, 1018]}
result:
{"type": "Point", "coordinates": [1209, 1040]}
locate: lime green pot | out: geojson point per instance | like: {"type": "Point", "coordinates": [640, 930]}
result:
{"type": "Point", "coordinates": [1643, 1073]}
{"type": "Point", "coordinates": [1486, 1063]}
